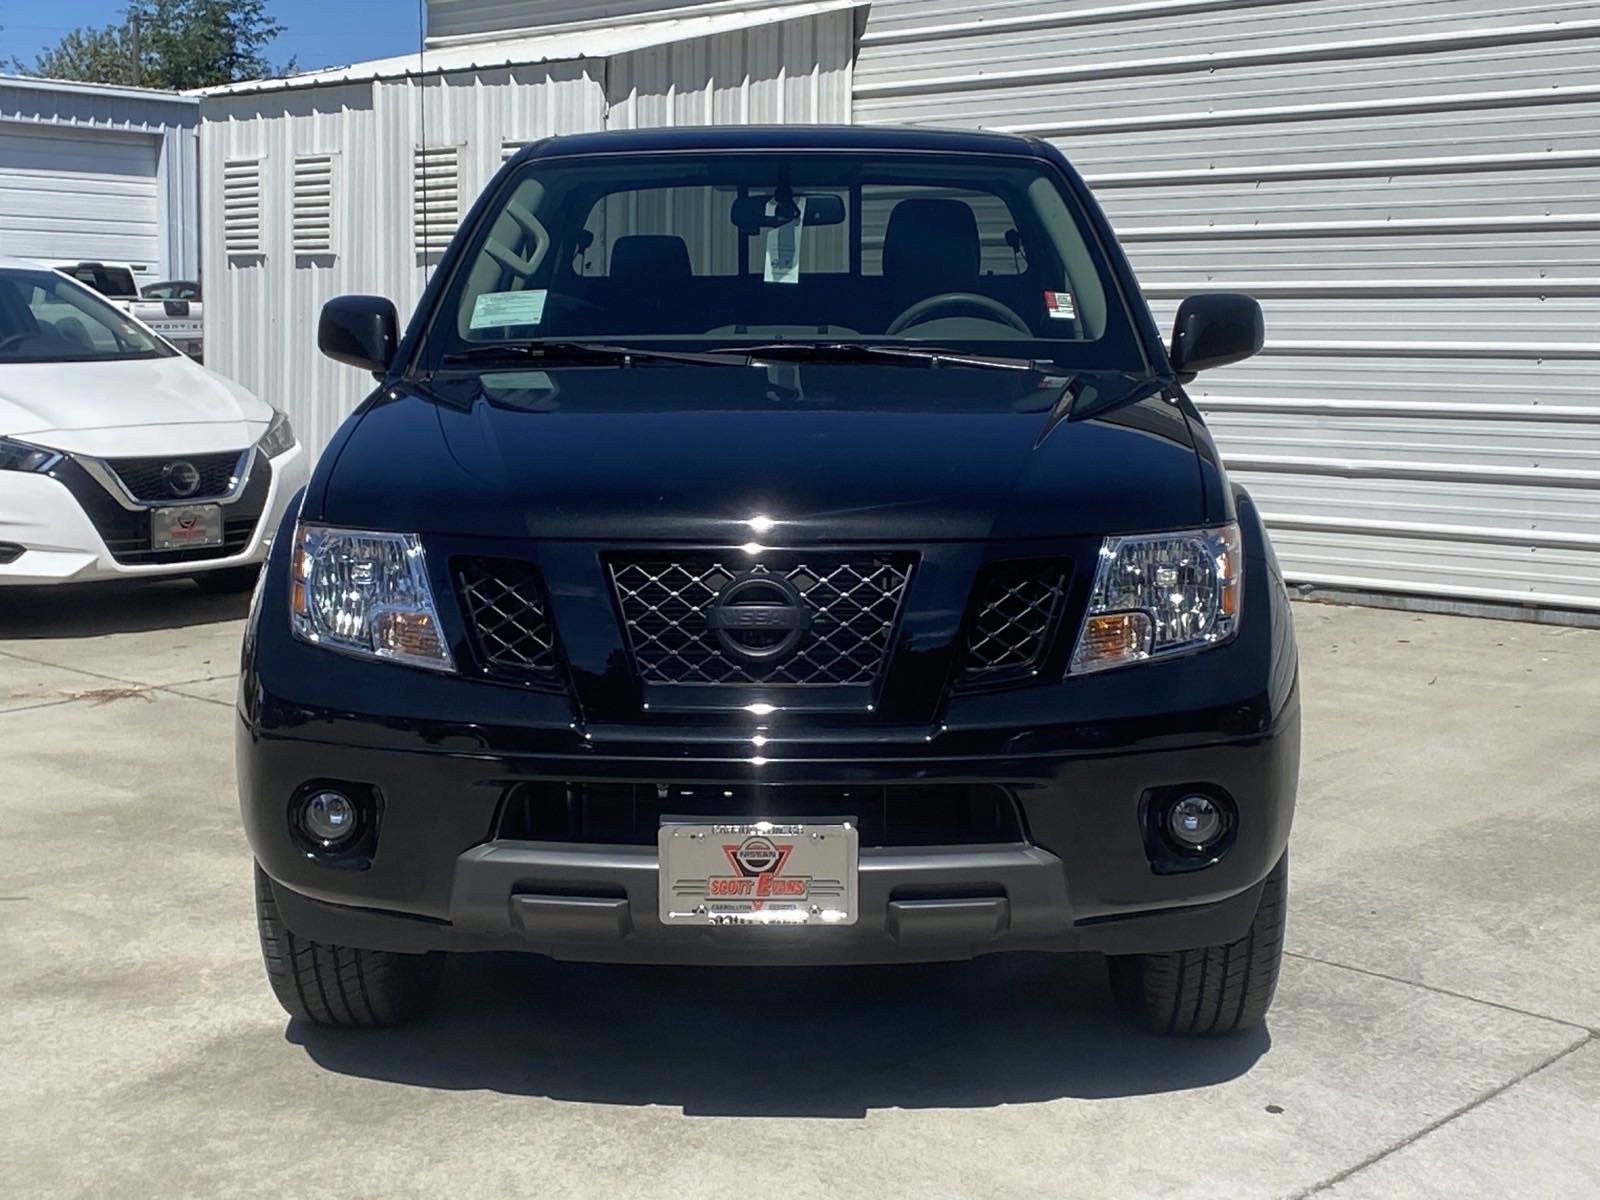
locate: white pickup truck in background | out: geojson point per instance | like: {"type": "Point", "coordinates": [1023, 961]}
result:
{"type": "Point", "coordinates": [172, 309]}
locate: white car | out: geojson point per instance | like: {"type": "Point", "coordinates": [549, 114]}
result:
{"type": "Point", "coordinates": [121, 458]}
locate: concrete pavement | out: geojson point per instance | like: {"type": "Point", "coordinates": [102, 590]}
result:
{"type": "Point", "coordinates": [1434, 1034]}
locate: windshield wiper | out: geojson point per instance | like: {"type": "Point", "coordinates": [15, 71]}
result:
{"type": "Point", "coordinates": [870, 352]}
{"type": "Point", "coordinates": [600, 353]}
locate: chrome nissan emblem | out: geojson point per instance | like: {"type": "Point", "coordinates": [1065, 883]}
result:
{"type": "Point", "coordinates": [182, 479]}
{"type": "Point", "coordinates": [759, 617]}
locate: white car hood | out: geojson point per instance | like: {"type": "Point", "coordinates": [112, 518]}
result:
{"type": "Point", "coordinates": [138, 407]}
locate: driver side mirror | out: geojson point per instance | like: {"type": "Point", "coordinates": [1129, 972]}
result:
{"type": "Point", "coordinates": [361, 331]}
{"type": "Point", "coordinates": [1214, 329]}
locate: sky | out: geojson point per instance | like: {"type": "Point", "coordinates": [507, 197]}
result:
{"type": "Point", "coordinates": [319, 33]}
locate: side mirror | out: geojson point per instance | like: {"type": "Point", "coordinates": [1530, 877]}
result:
{"type": "Point", "coordinates": [362, 331]}
{"type": "Point", "coordinates": [1213, 330]}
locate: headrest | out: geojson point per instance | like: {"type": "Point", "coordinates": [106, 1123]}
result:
{"type": "Point", "coordinates": [932, 246]}
{"type": "Point", "coordinates": [650, 258]}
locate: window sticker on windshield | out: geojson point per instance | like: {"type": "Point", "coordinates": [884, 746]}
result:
{"type": "Point", "coordinates": [499, 310]}
{"type": "Point", "coordinates": [1059, 307]}
{"type": "Point", "coordinates": [783, 245]}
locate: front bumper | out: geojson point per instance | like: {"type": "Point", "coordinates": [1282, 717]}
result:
{"type": "Point", "coordinates": [60, 542]}
{"type": "Point", "coordinates": [1083, 759]}
{"type": "Point", "coordinates": [1082, 880]}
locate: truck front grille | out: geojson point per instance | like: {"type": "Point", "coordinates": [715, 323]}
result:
{"type": "Point", "coordinates": [833, 617]}
{"type": "Point", "coordinates": [1016, 610]}
{"type": "Point", "coordinates": [629, 814]}
{"type": "Point", "coordinates": [505, 606]}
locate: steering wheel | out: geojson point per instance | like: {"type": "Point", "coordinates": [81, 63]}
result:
{"type": "Point", "coordinates": [923, 310]}
{"type": "Point", "coordinates": [15, 338]}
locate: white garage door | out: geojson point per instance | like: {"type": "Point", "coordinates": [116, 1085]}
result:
{"type": "Point", "coordinates": [79, 195]}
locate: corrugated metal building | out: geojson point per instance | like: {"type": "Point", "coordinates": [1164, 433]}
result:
{"type": "Point", "coordinates": [1410, 188]}
{"type": "Point", "coordinates": [100, 173]}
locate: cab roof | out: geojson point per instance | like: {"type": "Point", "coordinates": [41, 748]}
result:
{"type": "Point", "coordinates": [847, 138]}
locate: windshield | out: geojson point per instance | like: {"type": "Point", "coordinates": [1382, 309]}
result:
{"type": "Point", "coordinates": [47, 318]}
{"type": "Point", "coordinates": [970, 253]}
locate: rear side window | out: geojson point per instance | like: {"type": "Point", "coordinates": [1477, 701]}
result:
{"type": "Point", "coordinates": [116, 282]}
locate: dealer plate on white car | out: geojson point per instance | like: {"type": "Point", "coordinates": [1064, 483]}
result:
{"type": "Point", "coordinates": [189, 527]}
{"type": "Point", "coordinates": [761, 873]}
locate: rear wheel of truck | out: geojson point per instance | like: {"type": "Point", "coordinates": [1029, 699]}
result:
{"type": "Point", "coordinates": [341, 985]}
{"type": "Point", "coordinates": [1212, 990]}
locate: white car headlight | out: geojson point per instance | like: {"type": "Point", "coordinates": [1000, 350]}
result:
{"type": "Point", "coordinates": [366, 594]}
{"type": "Point", "coordinates": [279, 437]}
{"type": "Point", "coordinates": [1161, 594]}
{"type": "Point", "coordinates": [19, 456]}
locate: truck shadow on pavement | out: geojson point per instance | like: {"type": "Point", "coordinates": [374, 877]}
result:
{"type": "Point", "coordinates": [94, 610]}
{"type": "Point", "coordinates": [832, 1042]}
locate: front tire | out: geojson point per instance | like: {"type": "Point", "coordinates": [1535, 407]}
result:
{"type": "Point", "coordinates": [341, 985]}
{"type": "Point", "coordinates": [1213, 990]}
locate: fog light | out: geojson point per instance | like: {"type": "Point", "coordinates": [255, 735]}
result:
{"type": "Point", "coordinates": [1195, 822]}
{"type": "Point", "coordinates": [329, 818]}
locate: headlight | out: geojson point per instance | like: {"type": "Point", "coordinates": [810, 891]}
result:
{"type": "Point", "coordinates": [19, 456]}
{"type": "Point", "coordinates": [279, 437]}
{"type": "Point", "coordinates": [1161, 594]}
{"type": "Point", "coordinates": [366, 594]}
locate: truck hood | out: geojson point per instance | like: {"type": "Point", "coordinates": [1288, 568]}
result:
{"type": "Point", "coordinates": [823, 453]}
{"type": "Point", "coordinates": [159, 405]}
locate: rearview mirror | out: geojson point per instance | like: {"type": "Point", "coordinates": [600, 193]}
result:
{"type": "Point", "coordinates": [1214, 329]}
{"type": "Point", "coordinates": [750, 212]}
{"type": "Point", "coordinates": [362, 331]}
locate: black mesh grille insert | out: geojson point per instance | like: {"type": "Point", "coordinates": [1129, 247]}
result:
{"type": "Point", "coordinates": [148, 479]}
{"type": "Point", "coordinates": [630, 814]}
{"type": "Point", "coordinates": [1018, 606]}
{"type": "Point", "coordinates": [833, 618]}
{"type": "Point", "coordinates": [511, 628]}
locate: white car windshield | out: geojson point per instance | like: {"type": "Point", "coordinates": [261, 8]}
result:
{"type": "Point", "coordinates": [47, 318]}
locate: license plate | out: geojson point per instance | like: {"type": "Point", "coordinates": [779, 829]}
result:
{"type": "Point", "coordinates": [191, 527]}
{"type": "Point", "coordinates": [762, 873]}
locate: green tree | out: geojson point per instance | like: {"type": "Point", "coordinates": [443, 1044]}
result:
{"type": "Point", "coordinates": [182, 44]}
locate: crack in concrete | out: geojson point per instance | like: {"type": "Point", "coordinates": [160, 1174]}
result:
{"type": "Point", "coordinates": [1458, 1111]}
{"type": "Point", "coordinates": [98, 697]}
{"type": "Point", "coordinates": [1441, 991]}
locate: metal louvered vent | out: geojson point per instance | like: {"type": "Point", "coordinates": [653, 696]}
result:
{"type": "Point", "coordinates": [831, 620]}
{"type": "Point", "coordinates": [510, 621]}
{"type": "Point", "coordinates": [314, 204]}
{"type": "Point", "coordinates": [241, 207]}
{"type": "Point", "coordinates": [1018, 609]}
{"type": "Point", "coordinates": [509, 150]}
{"type": "Point", "coordinates": [436, 196]}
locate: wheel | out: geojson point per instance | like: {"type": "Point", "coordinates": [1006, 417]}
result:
{"type": "Point", "coordinates": [1213, 990]}
{"type": "Point", "coordinates": [229, 581]}
{"type": "Point", "coordinates": [341, 985]}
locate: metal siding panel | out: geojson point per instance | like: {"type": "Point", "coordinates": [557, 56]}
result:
{"type": "Point", "coordinates": [261, 312]}
{"type": "Point", "coordinates": [796, 71]}
{"type": "Point", "coordinates": [454, 19]}
{"type": "Point", "coordinates": [1410, 189]}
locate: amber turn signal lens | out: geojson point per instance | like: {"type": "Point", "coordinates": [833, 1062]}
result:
{"type": "Point", "coordinates": [1115, 638]}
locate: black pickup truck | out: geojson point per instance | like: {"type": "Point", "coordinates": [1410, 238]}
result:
{"type": "Point", "coordinates": [775, 546]}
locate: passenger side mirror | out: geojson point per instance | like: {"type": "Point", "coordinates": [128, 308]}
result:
{"type": "Point", "coordinates": [362, 331]}
{"type": "Point", "coordinates": [1213, 330]}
